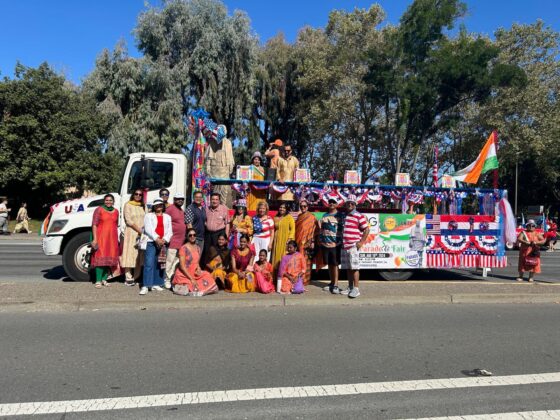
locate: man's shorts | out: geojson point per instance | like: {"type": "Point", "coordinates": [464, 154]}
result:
{"type": "Point", "coordinates": [331, 256]}
{"type": "Point", "coordinates": [350, 259]}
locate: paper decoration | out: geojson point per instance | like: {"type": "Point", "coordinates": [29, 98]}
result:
{"type": "Point", "coordinates": [302, 175]}
{"type": "Point", "coordinates": [351, 177]}
{"type": "Point", "coordinates": [447, 181]}
{"type": "Point", "coordinates": [244, 172]}
{"type": "Point", "coordinates": [402, 179]}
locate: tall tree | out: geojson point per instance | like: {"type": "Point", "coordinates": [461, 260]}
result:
{"type": "Point", "coordinates": [52, 138]}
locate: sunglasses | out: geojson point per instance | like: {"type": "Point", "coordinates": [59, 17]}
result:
{"type": "Point", "coordinates": [191, 236]}
{"type": "Point", "coordinates": [137, 194]}
{"type": "Point", "coordinates": [179, 199]}
{"type": "Point", "coordinates": [304, 206]}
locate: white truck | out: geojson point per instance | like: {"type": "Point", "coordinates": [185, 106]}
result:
{"type": "Point", "coordinates": [68, 225]}
{"type": "Point", "coordinates": [397, 244]}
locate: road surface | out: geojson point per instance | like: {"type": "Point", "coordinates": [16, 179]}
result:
{"type": "Point", "coordinates": [180, 364]}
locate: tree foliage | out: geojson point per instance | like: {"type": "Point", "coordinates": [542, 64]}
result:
{"type": "Point", "coordinates": [51, 137]}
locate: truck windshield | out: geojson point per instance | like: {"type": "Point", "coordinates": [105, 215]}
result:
{"type": "Point", "coordinates": [162, 176]}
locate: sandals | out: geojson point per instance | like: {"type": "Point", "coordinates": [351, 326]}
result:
{"type": "Point", "coordinates": [98, 285]}
{"type": "Point", "coordinates": [106, 283]}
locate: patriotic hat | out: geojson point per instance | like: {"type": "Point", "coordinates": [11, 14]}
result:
{"type": "Point", "coordinates": [351, 199]}
{"type": "Point", "coordinates": [241, 203]}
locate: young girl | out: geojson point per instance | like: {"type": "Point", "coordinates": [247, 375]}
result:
{"type": "Point", "coordinates": [263, 273]}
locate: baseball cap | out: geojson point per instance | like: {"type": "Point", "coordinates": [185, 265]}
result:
{"type": "Point", "coordinates": [179, 195]}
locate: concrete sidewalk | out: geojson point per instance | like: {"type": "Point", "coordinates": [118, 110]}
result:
{"type": "Point", "coordinates": [67, 296]}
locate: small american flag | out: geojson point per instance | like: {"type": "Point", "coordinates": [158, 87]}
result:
{"type": "Point", "coordinates": [433, 224]}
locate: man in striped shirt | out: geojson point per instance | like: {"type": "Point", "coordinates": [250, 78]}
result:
{"type": "Point", "coordinates": [354, 236]}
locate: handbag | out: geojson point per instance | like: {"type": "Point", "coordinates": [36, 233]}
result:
{"type": "Point", "coordinates": [298, 288]}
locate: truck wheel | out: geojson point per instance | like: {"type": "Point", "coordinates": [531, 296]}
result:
{"type": "Point", "coordinates": [395, 275]}
{"type": "Point", "coordinates": [75, 257]}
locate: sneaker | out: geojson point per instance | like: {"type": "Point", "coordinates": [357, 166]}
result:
{"type": "Point", "coordinates": [167, 284]}
{"type": "Point", "coordinates": [345, 292]}
{"type": "Point", "coordinates": [143, 291]}
{"type": "Point", "coordinates": [327, 288]}
{"type": "Point", "coordinates": [335, 290]}
{"type": "Point", "coordinates": [158, 288]}
{"type": "Point", "coordinates": [129, 283]}
{"type": "Point", "coordinates": [354, 293]}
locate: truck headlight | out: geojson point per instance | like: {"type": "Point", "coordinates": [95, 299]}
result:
{"type": "Point", "coordinates": [58, 225]}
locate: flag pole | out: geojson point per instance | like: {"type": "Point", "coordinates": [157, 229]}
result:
{"type": "Point", "coordinates": [495, 132]}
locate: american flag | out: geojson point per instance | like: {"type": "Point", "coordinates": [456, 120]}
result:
{"type": "Point", "coordinates": [433, 224]}
{"type": "Point", "coordinates": [435, 170]}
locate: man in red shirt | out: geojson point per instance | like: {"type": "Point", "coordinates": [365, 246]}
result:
{"type": "Point", "coordinates": [179, 230]}
{"type": "Point", "coordinates": [354, 236]}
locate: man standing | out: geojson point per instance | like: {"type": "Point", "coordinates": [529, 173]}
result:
{"type": "Point", "coordinates": [195, 218]}
{"type": "Point", "coordinates": [330, 240]}
{"type": "Point", "coordinates": [4, 211]}
{"type": "Point", "coordinates": [354, 236]}
{"type": "Point", "coordinates": [219, 162]}
{"type": "Point", "coordinates": [179, 230]}
{"type": "Point", "coordinates": [217, 221]}
{"type": "Point", "coordinates": [287, 166]}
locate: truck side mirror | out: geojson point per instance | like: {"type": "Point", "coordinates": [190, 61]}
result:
{"type": "Point", "coordinates": [147, 173]}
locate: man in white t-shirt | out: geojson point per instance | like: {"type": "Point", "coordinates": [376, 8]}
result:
{"type": "Point", "coordinates": [4, 210]}
{"type": "Point", "coordinates": [354, 236]}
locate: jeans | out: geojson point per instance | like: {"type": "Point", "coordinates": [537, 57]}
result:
{"type": "Point", "coordinates": [153, 273]}
{"type": "Point", "coordinates": [4, 224]}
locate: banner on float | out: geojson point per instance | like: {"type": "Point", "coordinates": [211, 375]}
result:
{"type": "Point", "coordinates": [396, 241]}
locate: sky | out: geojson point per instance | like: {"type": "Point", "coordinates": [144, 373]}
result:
{"type": "Point", "coordinates": [69, 34]}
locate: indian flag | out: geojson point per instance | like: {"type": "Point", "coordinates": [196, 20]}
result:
{"type": "Point", "coordinates": [486, 161]}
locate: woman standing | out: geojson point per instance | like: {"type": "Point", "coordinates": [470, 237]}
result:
{"type": "Point", "coordinates": [242, 278]}
{"type": "Point", "coordinates": [529, 251]}
{"type": "Point", "coordinates": [307, 231]}
{"type": "Point", "coordinates": [256, 195]}
{"type": "Point", "coordinates": [263, 229]}
{"type": "Point", "coordinates": [189, 279]}
{"type": "Point", "coordinates": [285, 228]}
{"type": "Point", "coordinates": [105, 243]}
{"type": "Point", "coordinates": [131, 259]}
{"type": "Point", "coordinates": [158, 230]}
{"type": "Point", "coordinates": [291, 271]}
{"type": "Point", "coordinates": [241, 224]}
{"type": "Point", "coordinates": [219, 260]}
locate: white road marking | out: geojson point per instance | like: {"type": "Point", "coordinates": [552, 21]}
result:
{"type": "Point", "coordinates": [189, 398]}
{"type": "Point", "coordinates": [518, 415]}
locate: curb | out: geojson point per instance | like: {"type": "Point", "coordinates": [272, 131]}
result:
{"type": "Point", "coordinates": [275, 301]}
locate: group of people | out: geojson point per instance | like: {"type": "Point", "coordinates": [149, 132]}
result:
{"type": "Point", "coordinates": [22, 218]}
{"type": "Point", "coordinates": [201, 249]}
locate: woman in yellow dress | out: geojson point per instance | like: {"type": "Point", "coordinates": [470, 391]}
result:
{"type": "Point", "coordinates": [242, 278]}
{"type": "Point", "coordinates": [285, 229]}
{"type": "Point", "coordinates": [241, 224]}
{"type": "Point", "coordinates": [255, 195]}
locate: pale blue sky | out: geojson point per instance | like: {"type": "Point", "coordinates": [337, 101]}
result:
{"type": "Point", "coordinates": [69, 34]}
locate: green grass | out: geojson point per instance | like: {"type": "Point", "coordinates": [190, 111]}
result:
{"type": "Point", "coordinates": [34, 225]}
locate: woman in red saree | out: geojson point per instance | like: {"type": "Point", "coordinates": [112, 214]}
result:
{"type": "Point", "coordinates": [529, 253]}
{"type": "Point", "coordinates": [105, 244]}
{"type": "Point", "coordinates": [307, 231]}
{"type": "Point", "coordinates": [263, 273]}
{"type": "Point", "coordinates": [189, 278]}
{"type": "Point", "coordinates": [291, 271]}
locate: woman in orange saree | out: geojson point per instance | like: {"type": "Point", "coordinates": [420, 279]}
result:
{"type": "Point", "coordinates": [307, 231]}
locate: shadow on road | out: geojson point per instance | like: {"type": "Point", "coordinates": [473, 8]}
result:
{"type": "Point", "coordinates": [56, 273]}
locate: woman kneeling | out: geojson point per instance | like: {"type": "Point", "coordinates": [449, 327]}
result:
{"type": "Point", "coordinates": [189, 279]}
{"type": "Point", "coordinates": [291, 271]}
{"type": "Point", "coordinates": [242, 279]}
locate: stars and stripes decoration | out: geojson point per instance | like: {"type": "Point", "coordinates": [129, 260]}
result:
{"type": "Point", "coordinates": [435, 169]}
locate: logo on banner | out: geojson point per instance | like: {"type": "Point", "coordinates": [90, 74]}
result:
{"type": "Point", "coordinates": [412, 258]}
{"type": "Point", "coordinates": [390, 223]}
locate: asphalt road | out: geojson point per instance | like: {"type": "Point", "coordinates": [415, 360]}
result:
{"type": "Point", "coordinates": [70, 356]}
{"type": "Point", "coordinates": [22, 260]}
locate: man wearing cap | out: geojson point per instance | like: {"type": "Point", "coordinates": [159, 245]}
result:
{"type": "Point", "coordinates": [354, 236]}
{"type": "Point", "coordinates": [177, 214]}
{"type": "Point", "coordinates": [330, 239]}
{"type": "Point", "coordinates": [195, 218]}
{"type": "Point", "coordinates": [273, 153]}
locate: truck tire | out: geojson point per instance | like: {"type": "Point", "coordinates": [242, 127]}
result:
{"type": "Point", "coordinates": [395, 275]}
{"type": "Point", "coordinates": [75, 257]}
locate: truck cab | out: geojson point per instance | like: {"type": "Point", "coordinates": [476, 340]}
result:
{"type": "Point", "coordinates": [67, 228]}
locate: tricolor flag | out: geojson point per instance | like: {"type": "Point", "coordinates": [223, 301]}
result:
{"type": "Point", "coordinates": [486, 161]}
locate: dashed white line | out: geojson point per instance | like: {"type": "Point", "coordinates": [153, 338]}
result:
{"type": "Point", "coordinates": [208, 397]}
